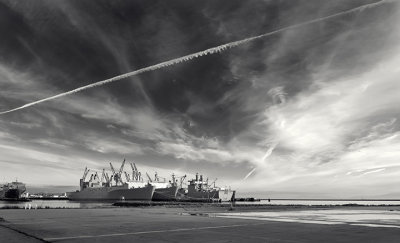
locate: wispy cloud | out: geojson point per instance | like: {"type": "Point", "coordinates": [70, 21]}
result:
{"type": "Point", "coordinates": [312, 103]}
{"type": "Point", "coordinates": [213, 50]}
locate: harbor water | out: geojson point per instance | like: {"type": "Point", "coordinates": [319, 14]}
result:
{"type": "Point", "coordinates": [53, 204]}
{"type": "Point", "coordinates": [316, 202]}
{"type": "Point", "coordinates": [77, 204]}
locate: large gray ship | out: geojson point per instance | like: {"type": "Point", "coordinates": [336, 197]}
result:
{"type": "Point", "coordinates": [200, 190]}
{"type": "Point", "coordinates": [112, 188]}
{"type": "Point", "coordinates": [165, 190]}
{"type": "Point", "coordinates": [12, 191]}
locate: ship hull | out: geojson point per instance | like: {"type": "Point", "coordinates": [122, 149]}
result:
{"type": "Point", "coordinates": [113, 193]}
{"type": "Point", "coordinates": [220, 195]}
{"type": "Point", "coordinates": [13, 194]}
{"type": "Point", "coordinates": [12, 191]}
{"type": "Point", "coordinates": [165, 194]}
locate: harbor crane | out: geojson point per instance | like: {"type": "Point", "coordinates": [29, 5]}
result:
{"type": "Point", "coordinates": [96, 177]}
{"type": "Point", "coordinates": [82, 182]}
{"type": "Point", "coordinates": [121, 169]}
{"type": "Point", "coordinates": [156, 177]}
{"type": "Point", "coordinates": [108, 180]}
{"type": "Point", "coordinates": [133, 165]}
{"type": "Point", "coordinates": [114, 175]}
{"type": "Point", "coordinates": [85, 173]}
{"type": "Point", "coordinates": [148, 176]}
{"type": "Point", "coordinates": [135, 172]}
{"type": "Point", "coordinates": [214, 182]}
{"type": "Point", "coordinates": [117, 175]}
{"type": "Point", "coordinates": [182, 180]}
{"type": "Point", "coordinates": [104, 177]}
{"type": "Point", "coordinates": [127, 176]}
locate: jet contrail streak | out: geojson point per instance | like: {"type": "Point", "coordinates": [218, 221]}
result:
{"type": "Point", "coordinates": [212, 50]}
{"type": "Point", "coordinates": [249, 174]}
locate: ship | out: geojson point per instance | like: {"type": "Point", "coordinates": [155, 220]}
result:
{"type": "Point", "coordinates": [200, 190]}
{"type": "Point", "coordinates": [165, 190]}
{"type": "Point", "coordinates": [112, 188]}
{"type": "Point", "coordinates": [12, 191]}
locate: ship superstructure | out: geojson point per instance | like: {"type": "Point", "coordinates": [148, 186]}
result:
{"type": "Point", "coordinates": [200, 189]}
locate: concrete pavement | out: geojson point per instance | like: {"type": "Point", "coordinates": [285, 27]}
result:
{"type": "Point", "coordinates": [158, 224]}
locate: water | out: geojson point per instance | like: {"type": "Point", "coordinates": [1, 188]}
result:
{"type": "Point", "coordinates": [75, 204]}
{"type": "Point", "coordinates": [367, 218]}
{"type": "Point", "coordinates": [323, 202]}
{"type": "Point", "coordinates": [54, 204]}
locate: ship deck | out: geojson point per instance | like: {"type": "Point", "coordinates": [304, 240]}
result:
{"type": "Point", "coordinates": [162, 224]}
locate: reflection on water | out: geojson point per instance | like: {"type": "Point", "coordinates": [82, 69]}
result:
{"type": "Point", "coordinates": [53, 204]}
{"type": "Point", "coordinates": [369, 218]}
{"type": "Point", "coordinates": [322, 202]}
{"type": "Point", "coordinates": [75, 204]}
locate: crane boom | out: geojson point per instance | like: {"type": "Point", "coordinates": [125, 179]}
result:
{"type": "Point", "coordinates": [135, 172]}
{"type": "Point", "coordinates": [112, 168]}
{"type": "Point", "coordinates": [85, 173]}
{"type": "Point", "coordinates": [133, 168]}
{"type": "Point", "coordinates": [127, 176]}
{"type": "Point", "coordinates": [96, 177]}
{"type": "Point", "coordinates": [182, 179]}
{"type": "Point", "coordinates": [214, 182]}
{"type": "Point", "coordinates": [121, 168]}
{"type": "Point", "coordinates": [102, 176]}
{"type": "Point", "coordinates": [149, 177]}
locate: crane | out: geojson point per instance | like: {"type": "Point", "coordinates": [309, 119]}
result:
{"type": "Point", "coordinates": [114, 174]}
{"type": "Point", "coordinates": [102, 176]}
{"type": "Point", "coordinates": [107, 178]}
{"type": "Point", "coordinates": [118, 175]}
{"type": "Point", "coordinates": [96, 177]}
{"type": "Point", "coordinates": [85, 173]}
{"type": "Point", "coordinates": [214, 182]}
{"type": "Point", "coordinates": [182, 179]}
{"type": "Point", "coordinates": [127, 176]}
{"type": "Point", "coordinates": [135, 175]}
{"type": "Point", "coordinates": [112, 168]}
{"type": "Point", "coordinates": [121, 168]}
{"type": "Point", "coordinates": [150, 180]}
{"type": "Point", "coordinates": [133, 167]}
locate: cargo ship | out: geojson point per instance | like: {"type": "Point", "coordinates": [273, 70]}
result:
{"type": "Point", "coordinates": [12, 191]}
{"type": "Point", "coordinates": [200, 190]}
{"type": "Point", "coordinates": [165, 191]}
{"type": "Point", "coordinates": [113, 188]}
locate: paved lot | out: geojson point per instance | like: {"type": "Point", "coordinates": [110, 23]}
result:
{"type": "Point", "coordinates": [172, 225]}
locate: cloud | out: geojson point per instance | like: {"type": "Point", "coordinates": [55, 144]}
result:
{"type": "Point", "coordinates": [307, 105]}
{"type": "Point", "coordinates": [209, 51]}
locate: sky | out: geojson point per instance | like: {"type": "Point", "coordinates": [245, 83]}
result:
{"type": "Point", "coordinates": [310, 111]}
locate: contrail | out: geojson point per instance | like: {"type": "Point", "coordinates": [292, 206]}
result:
{"type": "Point", "coordinates": [186, 58]}
{"type": "Point", "coordinates": [266, 155]}
{"type": "Point", "coordinates": [269, 152]}
{"type": "Point", "coordinates": [249, 174]}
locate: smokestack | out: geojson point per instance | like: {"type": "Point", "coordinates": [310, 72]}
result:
{"type": "Point", "coordinates": [197, 176]}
